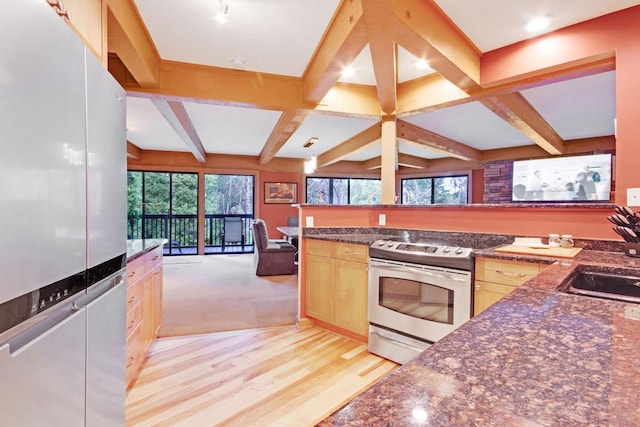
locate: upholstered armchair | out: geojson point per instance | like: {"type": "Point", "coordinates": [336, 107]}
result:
{"type": "Point", "coordinates": [271, 258]}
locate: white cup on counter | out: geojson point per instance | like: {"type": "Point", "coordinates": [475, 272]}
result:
{"type": "Point", "coordinates": [554, 240]}
{"type": "Point", "coordinates": [566, 241]}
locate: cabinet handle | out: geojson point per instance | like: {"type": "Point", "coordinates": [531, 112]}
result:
{"type": "Point", "coordinates": [155, 257]}
{"type": "Point", "coordinates": [157, 272]}
{"type": "Point", "coordinates": [477, 287]}
{"type": "Point", "coordinates": [131, 361]}
{"type": "Point", "coordinates": [349, 252]}
{"type": "Point", "coordinates": [133, 273]}
{"type": "Point", "coordinates": [508, 273]}
{"type": "Point", "coordinates": [131, 324]}
{"type": "Point", "coordinates": [132, 299]}
{"type": "Point", "coordinates": [55, 4]}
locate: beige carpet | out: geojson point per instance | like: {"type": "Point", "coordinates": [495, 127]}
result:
{"type": "Point", "coordinates": [214, 293]}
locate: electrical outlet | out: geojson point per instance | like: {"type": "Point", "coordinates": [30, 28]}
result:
{"type": "Point", "coordinates": [382, 219]}
{"type": "Point", "coordinates": [309, 221]}
{"type": "Point", "coordinates": [633, 196]}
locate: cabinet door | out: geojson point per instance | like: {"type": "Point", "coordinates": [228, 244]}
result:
{"type": "Point", "coordinates": [320, 286]}
{"type": "Point", "coordinates": [487, 294]}
{"type": "Point", "coordinates": [147, 310]}
{"type": "Point", "coordinates": [351, 296]}
{"type": "Point", "coordinates": [157, 299]}
{"type": "Point", "coordinates": [42, 154]}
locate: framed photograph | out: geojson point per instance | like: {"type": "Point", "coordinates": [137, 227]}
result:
{"type": "Point", "coordinates": [280, 192]}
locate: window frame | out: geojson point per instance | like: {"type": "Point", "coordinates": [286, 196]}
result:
{"type": "Point", "coordinates": [432, 178]}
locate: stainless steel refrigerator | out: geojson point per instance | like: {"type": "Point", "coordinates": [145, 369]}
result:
{"type": "Point", "coordinates": [62, 215]}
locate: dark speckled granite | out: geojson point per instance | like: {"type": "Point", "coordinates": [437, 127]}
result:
{"type": "Point", "coordinates": [538, 357]}
{"type": "Point", "coordinates": [137, 247]}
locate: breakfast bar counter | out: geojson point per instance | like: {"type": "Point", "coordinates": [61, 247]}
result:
{"type": "Point", "coordinates": [538, 357]}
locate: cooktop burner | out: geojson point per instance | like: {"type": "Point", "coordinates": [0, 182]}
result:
{"type": "Point", "coordinates": [422, 253]}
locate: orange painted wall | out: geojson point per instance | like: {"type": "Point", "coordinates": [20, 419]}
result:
{"type": "Point", "coordinates": [614, 33]}
{"type": "Point", "coordinates": [275, 215]}
{"type": "Point", "coordinates": [586, 223]}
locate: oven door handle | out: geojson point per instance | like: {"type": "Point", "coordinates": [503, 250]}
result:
{"type": "Point", "coordinates": [397, 342]}
{"type": "Point", "coordinates": [419, 271]}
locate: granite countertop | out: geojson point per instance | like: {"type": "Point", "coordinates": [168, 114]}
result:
{"type": "Point", "coordinates": [538, 357]}
{"type": "Point", "coordinates": [137, 247]}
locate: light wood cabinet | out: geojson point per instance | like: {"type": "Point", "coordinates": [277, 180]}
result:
{"type": "Point", "coordinates": [144, 307]}
{"type": "Point", "coordinates": [496, 278]}
{"type": "Point", "coordinates": [336, 284]}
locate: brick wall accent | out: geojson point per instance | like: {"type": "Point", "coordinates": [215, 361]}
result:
{"type": "Point", "coordinates": [498, 177]}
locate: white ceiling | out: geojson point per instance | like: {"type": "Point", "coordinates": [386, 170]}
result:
{"type": "Point", "coordinates": [280, 36]}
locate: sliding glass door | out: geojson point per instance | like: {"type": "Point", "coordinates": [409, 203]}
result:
{"type": "Point", "coordinates": [164, 205]}
{"type": "Point", "coordinates": [228, 209]}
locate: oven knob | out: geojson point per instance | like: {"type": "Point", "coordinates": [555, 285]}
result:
{"type": "Point", "coordinates": [446, 249]}
{"type": "Point", "coordinates": [390, 244]}
{"type": "Point", "coordinates": [459, 251]}
{"type": "Point", "coordinates": [381, 243]}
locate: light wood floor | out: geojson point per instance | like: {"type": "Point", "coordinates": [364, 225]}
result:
{"type": "Point", "coordinates": [279, 376]}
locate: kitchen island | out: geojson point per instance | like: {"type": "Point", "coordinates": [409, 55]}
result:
{"type": "Point", "coordinates": [538, 357]}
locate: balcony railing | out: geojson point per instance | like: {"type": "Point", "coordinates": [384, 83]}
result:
{"type": "Point", "coordinates": [182, 232]}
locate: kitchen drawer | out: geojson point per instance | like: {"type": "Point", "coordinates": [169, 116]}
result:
{"type": "Point", "coordinates": [135, 354]}
{"type": "Point", "coordinates": [136, 269]}
{"type": "Point", "coordinates": [352, 252]}
{"type": "Point", "coordinates": [154, 257]}
{"type": "Point", "coordinates": [320, 248]}
{"type": "Point", "coordinates": [506, 272]}
{"type": "Point", "coordinates": [134, 318]}
{"type": "Point", "coordinates": [134, 294]}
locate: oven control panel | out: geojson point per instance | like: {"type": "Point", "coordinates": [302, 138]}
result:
{"type": "Point", "coordinates": [382, 246]}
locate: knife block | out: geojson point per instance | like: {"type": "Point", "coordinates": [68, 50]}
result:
{"type": "Point", "coordinates": [632, 249]}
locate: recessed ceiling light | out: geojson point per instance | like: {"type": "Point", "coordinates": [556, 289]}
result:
{"type": "Point", "coordinates": [310, 142]}
{"type": "Point", "coordinates": [537, 24]}
{"type": "Point", "coordinates": [421, 64]}
{"type": "Point", "coordinates": [238, 63]}
{"type": "Point", "coordinates": [348, 71]}
{"type": "Point", "coordinates": [223, 10]}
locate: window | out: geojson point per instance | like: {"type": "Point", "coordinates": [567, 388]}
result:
{"type": "Point", "coordinates": [164, 205]}
{"type": "Point", "coordinates": [438, 190]}
{"type": "Point", "coordinates": [343, 191]}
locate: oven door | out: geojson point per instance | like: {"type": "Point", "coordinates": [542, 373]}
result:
{"type": "Point", "coordinates": [421, 301]}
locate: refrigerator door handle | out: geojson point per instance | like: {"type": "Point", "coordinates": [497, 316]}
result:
{"type": "Point", "coordinates": [39, 330]}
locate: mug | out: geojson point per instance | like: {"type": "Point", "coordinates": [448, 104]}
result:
{"type": "Point", "coordinates": [566, 241]}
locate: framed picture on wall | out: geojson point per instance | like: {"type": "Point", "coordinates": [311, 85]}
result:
{"type": "Point", "coordinates": [280, 192]}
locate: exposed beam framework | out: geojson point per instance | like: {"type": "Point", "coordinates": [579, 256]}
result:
{"type": "Point", "coordinates": [177, 116]}
{"type": "Point", "coordinates": [413, 134]}
{"type": "Point", "coordinates": [128, 38]}
{"type": "Point", "coordinates": [419, 26]}
{"type": "Point", "coordinates": [361, 141]}
{"type": "Point", "coordinates": [133, 151]}
{"type": "Point", "coordinates": [383, 51]}
{"type": "Point", "coordinates": [405, 160]}
{"type": "Point", "coordinates": [288, 123]}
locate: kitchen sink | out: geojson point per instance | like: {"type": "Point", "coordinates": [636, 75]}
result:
{"type": "Point", "coordinates": [604, 284]}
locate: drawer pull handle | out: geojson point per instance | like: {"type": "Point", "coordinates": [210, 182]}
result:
{"type": "Point", "coordinates": [155, 257]}
{"type": "Point", "coordinates": [477, 287]}
{"type": "Point", "coordinates": [132, 299]}
{"type": "Point", "coordinates": [131, 361]}
{"type": "Point", "coordinates": [131, 324]}
{"type": "Point", "coordinates": [510, 274]}
{"type": "Point", "coordinates": [133, 273]}
{"type": "Point", "coordinates": [349, 252]}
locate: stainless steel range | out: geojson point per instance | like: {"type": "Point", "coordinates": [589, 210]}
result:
{"type": "Point", "coordinates": [418, 293]}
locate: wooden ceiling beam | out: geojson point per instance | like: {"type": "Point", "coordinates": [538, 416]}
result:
{"type": "Point", "coordinates": [415, 135]}
{"type": "Point", "coordinates": [429, 93]}
{"type": "Point", "coordinates": [288, 123]}
{"type": "Point", "coordinates": [415, 162]}
{"type": "Point", "coordinates": [343, 40]}
{"type": "Point", "coordinates": [359, 142]}
{"type": "Point", "coordinates": [177, 116]}
{"type": "Point", "coordinates": [427, 33]}
{"type": "Point", "coordinates": [128, 38]}
{"type": "Point", "coordinates": [383, 51]}
{"type": "Point", "coordinates": [133, 151]}
{"type": "Point", "coordinates": [519, 113]}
